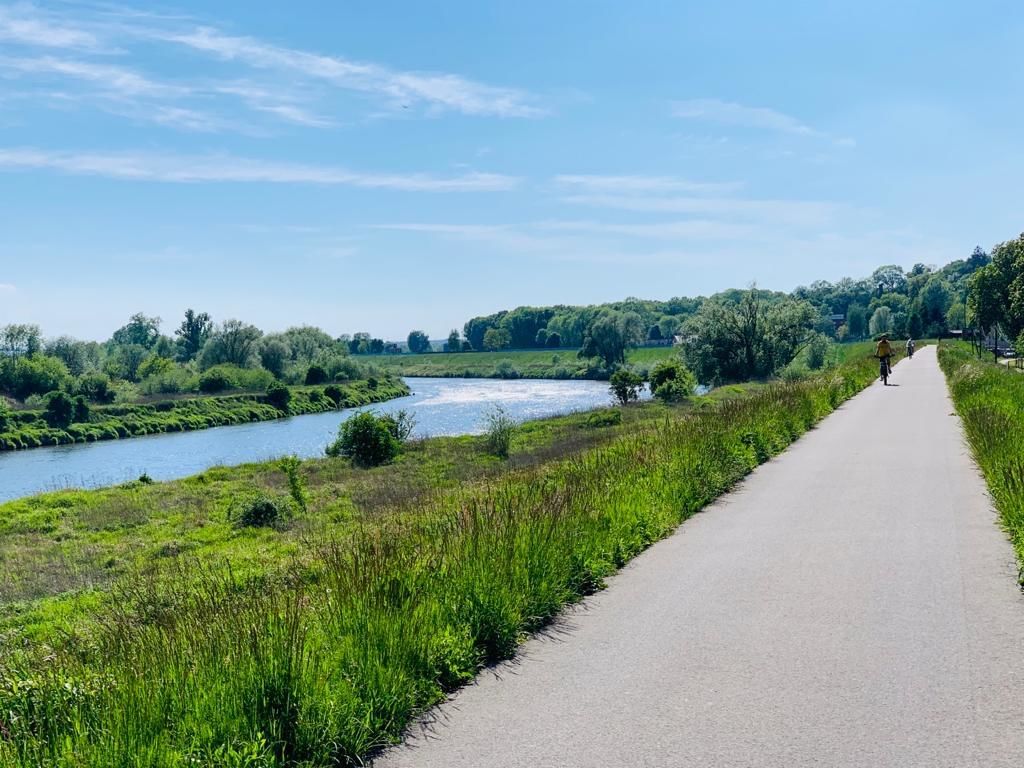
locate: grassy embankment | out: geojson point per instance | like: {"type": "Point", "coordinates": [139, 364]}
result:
{"type": "Point", "coordinates": [29, 428]}
{"type": "Point", "coordinates": [384, 610]}
{"type": "Point", "coordinates": [990, 401]}
{"type": "Point", "coordinates": [513, 364]}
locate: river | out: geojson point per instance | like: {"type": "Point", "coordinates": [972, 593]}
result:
{"type": "Point", "coordinates": [441, 407]}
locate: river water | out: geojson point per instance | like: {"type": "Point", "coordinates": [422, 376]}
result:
{"type": "Point", "coordinates": [441, 407]}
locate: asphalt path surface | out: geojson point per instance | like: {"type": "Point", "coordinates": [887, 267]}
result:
{"type": "Point", "coordinates": [852, 603]}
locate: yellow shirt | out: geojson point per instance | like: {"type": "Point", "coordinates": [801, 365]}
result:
{"type": "Point", "coordinates": [884, 349]}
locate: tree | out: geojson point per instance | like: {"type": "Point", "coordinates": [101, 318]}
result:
{"type": "Point", "coordinates": [125, 361]}
{"type": "Point", "coordinates": [418, 342]}
{"type": "Point", "coordinates": [997, 290]}
{"type": "Point", "coordinates": [496, 338]}
{"type": "Point", "coordinates": [889, 279]}
{"type": "Point", "coordinates": [671, 381]}
{"type": "Point", "coordinates": [307, 342]}
{"type": "Point", "coordinates": [541, 339]}
{"type": "Point", "coordinates": [37, 375]}
{"type": "Point", "coordinates": [817, 352]}
{"type": "Point", "coordinates": [654, 334]}
{"type": "Point", "coordinates": [626, 385]}
{"type": "Point", "coordinates": [192, 334]}
{"type": "Point", "coordinates": [610, 335]}
{"type": "Point", "coordinates": [279, 396]}
{"type": "Point", "coordinates": [856, 321]}
{"type": "Point", "coordinates": [740, 336]}
{"type": "Point", "coordinates": [274, 356]}
{"type": "Point", "coordinates": [232, 342]}
{"type": "Point", "coordinates": [453, 344]}
{"type": "Point", "coordinates": [881, 321]}
{"type": "Point", "coordinates": [60, 410]}
{"type": "Point", "coordinates": [20, 340]}
{"type": "Point", "coordinates": [74, 354]}
{"type": "Point", "coordinates": [554, 341]}
{"type": "Point", "coordinates": [956, 317]}
{"type": "Point", "coordinates": [140, 330]}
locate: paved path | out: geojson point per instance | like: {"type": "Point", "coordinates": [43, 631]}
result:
{"type": "Point", "coordinates": [852, 604]}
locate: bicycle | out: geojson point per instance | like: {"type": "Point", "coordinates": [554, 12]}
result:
{"type": "Point", "coordinates": [884, 370]}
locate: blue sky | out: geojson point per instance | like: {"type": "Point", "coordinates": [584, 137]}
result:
{"type": "Point", "coordinates": [394, 165]}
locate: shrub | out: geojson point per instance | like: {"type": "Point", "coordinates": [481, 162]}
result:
{"type": "Point", "coordinates": [60, 410]}
{"type": "Point", "coordinates": [506, 370]}
{"type": "Point", "coordinates": [334, 393]}
{"type": "Point", "coordinates": [401, 423]}
{"type": "Point", "coordinates": [817, 352]}
{"type": "Point", "coordinates": [671, 381]}
{"type": "Point", "coordinates": [6, 417]}
{"type": "Point", "coordinates": [296, 487]}
{"type": "Point", "coordinates": [279, 396]}
{"type": "Point", "coordinates": [367, 439]}
{"type": "Point", "coordinates": [315, 375]}
{"type": "Point", "coordinates": [607, 418]}
{"type": "Point", "coordinates": [215, 380]}
{"type": "Point", "coordinates": [258, 511]}
{"type": "Point", "coordinates": [81, 414]}
{"type": "Point", "coordinates": [626, 385]}
{"type": "Point", "coordinates": [95, 386]}
{"type": "Point", "coordinates": [372, 382]}
{"type": "Point", "coordinates": [499, 428]}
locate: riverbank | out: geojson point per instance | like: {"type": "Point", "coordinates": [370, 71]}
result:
{"type": "Point", "coordinates": [30, 429]}
{"type": "Point", "coordinates": [326, 635]}
{"type": "Point", "coordinates": [514, 364]}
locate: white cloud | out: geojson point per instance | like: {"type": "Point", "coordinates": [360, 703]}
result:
{"type": "Point", "coordinates": [807, 212]}
{"type": "Point", "coordinates": [628, 184]}
{"type": "Point", "coordinates": [23, 24]}
{"type": "Point", "coordinates": [661, 230]}
{"type": "Point", "coordinates": [221, 168]}
{"type": "Point", "coordinates": [7, 288]}
{"type": "Point", "coordinates": [109, 78]}
{"type": "Point", "coordinates": [435, 90]}
{"type": "Point", "coordinates": [731, 113]}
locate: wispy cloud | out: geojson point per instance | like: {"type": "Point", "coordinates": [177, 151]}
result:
{"type": "Point", "coordinates": [25, 24]}
{"type": "Point", "coordinates": [793, 211]}
{"type": "Point", "coordinates": [220, 168]}
{"type": "Point", "coordinates": [283, 79]}
{"type": "Point", "coordinates": [7, 288]}
{"type": "Point", "coordinates": [731, 113]}
{"type": "Point", "coordinates": [109, 78]}
{"type": "Point", "coordinates": [643, 184]}
{"type": "Point", "coordinates": [435, 90]}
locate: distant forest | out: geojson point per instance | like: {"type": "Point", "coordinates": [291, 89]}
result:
{"type": "Point", "coordinates": [926, 301]}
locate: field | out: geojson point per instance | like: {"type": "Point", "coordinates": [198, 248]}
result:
{"type": "Point", "coordinates": [29, 428]}
{"type": "Point", "coordinates": [513, 364]}
{"type": "Point", "coordinates": [990, 400]}
{"type": "Point", "coordinates": [313, 642]}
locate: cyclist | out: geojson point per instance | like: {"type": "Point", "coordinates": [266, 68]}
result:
{"type": "Point", "coordinates": [883, 351]}
{"type": "Point", "coordinates": [910, 347]}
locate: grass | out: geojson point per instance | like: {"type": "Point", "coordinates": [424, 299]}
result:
{"type": "Point", "coordinates": [29, 429]}
{"type": "Point", "coordinates": [990, 401]}
{"type": "Point", "coordinates": [370, 620]}
{"type": "Point", "coordinates": [513, 364]}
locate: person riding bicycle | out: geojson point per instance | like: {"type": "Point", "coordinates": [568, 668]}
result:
{"type": "Point", "coordinates": [883, 351]}
{"type": "Point", "coordinates": [911, 346]}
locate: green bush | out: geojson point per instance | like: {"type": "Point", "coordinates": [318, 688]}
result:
{"type": "Point", "coordinates": [671, 381]}
{"type": "Point", "coordinates": [367, 439]}
{"type": "Point", "coordinates": [500, 428]}
{"type": "Point", "coordinates": [606, 418]}
{"type": "Point", "coordinates": [315, 375]}
{"type": "Point", "coordinates": [817, 352]}
{"type": "Point", "coordinates": [334, 393]}
{"type": "Point", "coordinates": [626, 385]}
{"type": "Point", "coordinates": [258, 511]}
{"type": "Point", "coordinates": [60, 410]}
{"type": "Point", "coordinates": [215, 380]}
{"type": "Point", "coordinates": [279, 396]}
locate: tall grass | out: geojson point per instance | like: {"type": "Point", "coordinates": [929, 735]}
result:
{"type": "Point", "coordinates": [990, 401]}
{"type": "Point", "coordinates": [330, 665]}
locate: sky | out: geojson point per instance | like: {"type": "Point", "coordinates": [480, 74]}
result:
{"type": "Point", "coordinates": [387, 166]}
